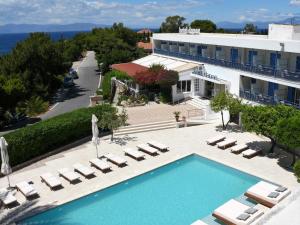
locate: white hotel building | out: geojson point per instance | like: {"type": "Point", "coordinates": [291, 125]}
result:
{"type": "Point", "coordinates": [259, 68]}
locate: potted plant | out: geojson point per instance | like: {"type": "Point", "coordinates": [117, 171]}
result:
{"type": "Point", "coordinates": [177, 114]}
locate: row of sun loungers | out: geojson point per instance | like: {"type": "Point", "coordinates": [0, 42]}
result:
{"type": "Point", "coordinates": [224, 143]}
{"type": "Point", "coordinates": [53, 181]}
{"type": "Point", "coordinates": [237, 213]}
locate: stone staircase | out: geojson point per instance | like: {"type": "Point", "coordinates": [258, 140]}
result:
{"type": "Point", "coordinates": [199, 103]}
{"type": "Point", "coordinates": [139, 128]}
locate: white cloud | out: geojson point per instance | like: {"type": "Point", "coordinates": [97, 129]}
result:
{"type": "Point", "coordinates": [94, 11]}
{"type": "Point", "coordinates": [295, 2]}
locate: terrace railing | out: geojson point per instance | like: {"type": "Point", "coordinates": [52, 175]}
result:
{"type": "Point", "coordinates": [265, 99]}
{"type": "Point", "coordinates": [259, 69]}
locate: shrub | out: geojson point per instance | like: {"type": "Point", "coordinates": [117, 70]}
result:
{"type": "Point", "coordinates": [297, 169]}
{"type": "Point", "coordinates": [45, 136]}
{"type": "Point", "coordinates": [106, 84]}
{"type": "Point", "coordinates": [35, 106]}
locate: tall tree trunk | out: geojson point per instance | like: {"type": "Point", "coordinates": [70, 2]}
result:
{"type": "Point", "coordinates": [273, 144]}
{"type": "Point", "coordinates": [112, 135]}
{"type": "Point", "coordinates": [223, 120]}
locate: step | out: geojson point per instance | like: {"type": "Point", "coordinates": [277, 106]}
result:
{"type": "Point", "coordinates": [147, 129]}
{"type": "Point", "coordinates": [147, 124]}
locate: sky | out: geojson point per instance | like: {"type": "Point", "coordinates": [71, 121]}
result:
{"type": "Point", "coordinates": [143, 13]}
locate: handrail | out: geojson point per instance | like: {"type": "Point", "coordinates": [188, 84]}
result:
{"type": "Point", "coordinates": [260, 69]}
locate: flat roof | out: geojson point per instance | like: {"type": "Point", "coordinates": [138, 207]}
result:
{"type": "Point", "coordinates": [168, 63]}
{"type": "Point", "coordinates": [232, 40]}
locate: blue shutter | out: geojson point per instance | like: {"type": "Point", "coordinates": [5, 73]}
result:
{"type": "Point", "coordinates": [298, 64]}
{"type": "Point", "coordinates": [273, 59]}
{"type": "Point", "coordinates": [291, 94]}
{"type": "Point", "coordinates": [234, 55]}
{"type": "Point", "coordinates": [271, 89]}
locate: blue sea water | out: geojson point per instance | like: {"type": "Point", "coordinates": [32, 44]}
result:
{"type": "Point", "coordinates": [176, 194]}
{"type": "Point", "coordinates": [9, 41]}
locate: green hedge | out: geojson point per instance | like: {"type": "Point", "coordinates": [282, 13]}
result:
{"type": "Point", "coordinates": [45, 136]}
{"type": "Point", "coordinates": [106, 84]}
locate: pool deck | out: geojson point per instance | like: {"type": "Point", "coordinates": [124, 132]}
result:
{"type": "Point", "coordinates": [182, 142]}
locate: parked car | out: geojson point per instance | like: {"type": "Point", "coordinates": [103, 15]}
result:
{"type": "Point", "coordinates": [68, 81]}
{"type": "Point", "coordinates": [73, 73]}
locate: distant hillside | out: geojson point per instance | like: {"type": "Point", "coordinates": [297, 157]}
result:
{"type": "Point", "coordinates": [259, 24]}
{"type": "Point", "coordinates": [28, 28]}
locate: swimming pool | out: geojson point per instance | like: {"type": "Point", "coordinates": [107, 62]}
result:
{"type": "Point", "coordinates": [176, 194]}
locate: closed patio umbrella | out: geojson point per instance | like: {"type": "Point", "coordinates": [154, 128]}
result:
{"type": "Point", "coordinates": [95, 139]}
{"type": "Point", "coordinates": [5, 167]}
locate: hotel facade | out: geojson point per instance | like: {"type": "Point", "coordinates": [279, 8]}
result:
{"type": "Point", "coordinates": [258, 68]}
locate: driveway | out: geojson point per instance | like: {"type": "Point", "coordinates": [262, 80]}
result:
{"type": "Point", "coordinates": [69, 99]}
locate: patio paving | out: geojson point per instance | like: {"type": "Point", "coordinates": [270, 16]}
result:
{"type": "Point", "coordinates": [154, 112]}
{"type": "Point", "coordinates": [182, 141]}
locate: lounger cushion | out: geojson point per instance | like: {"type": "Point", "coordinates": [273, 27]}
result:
{"type": "Point", "coordinates": [281, 189]}
{"type": "Point", "coordinates": [26, 188]}
{"type": "Point", "coordinates": [243, 216]}
{"type": "Point", "coordinates": [273, 195]}
{"type": "Point", "coordinates": [251, 211]}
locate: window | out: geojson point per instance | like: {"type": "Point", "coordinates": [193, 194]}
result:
{"type": "Point", "coordinates": [252, 58]}
{"type": "Point", "coordinates": [218, 53]}
{"type": "Point", "coordinates": [183, 86]}
{"type": "Point", "coordinates": [197, 85]}
{"type": "Point", "coordinates": [234, 55]}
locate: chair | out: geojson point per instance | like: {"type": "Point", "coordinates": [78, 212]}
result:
{"type": "Point", "coordinates": [51, 180]}
{"type": "Point", "coordinates": [227, 143]}
{"type": "Point", "coordinates": [26, 189]}
{"type": "Point", "coordinates": [134, 154]}
{"type": "Point", "coordinates": [147, 149]}
{"type": "Point", "coordinates": [83, 170]}
{"type": "Point", "coordinates": [215, 140]}
{"type": "Point", "coordinates": [100, 164]}
{"type": "Point", "coordinates": [234, 212]}
{"type": "Point", "coordinates": [7, 197]}
{"type": "Point", "coordinates": [267, 194]}
{"type": "Point", "coordinates": [239, 148]}
{"type": "Point", "coordinates": [69, 175]}
{"type": "Point", "coordinates": [119, 161]}
{"type": "Point", "coordinates": [161, 147]}
{"type": "Point", "coordinates": [250, 153]}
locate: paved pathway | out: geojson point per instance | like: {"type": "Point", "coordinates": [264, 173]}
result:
{"type": "Point", "coordinates": [153, 112]}
{"type": "Point", "coordinates": [69, 99]}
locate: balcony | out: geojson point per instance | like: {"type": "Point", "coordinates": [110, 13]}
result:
{"type": "Point", "coordinates": [260, 69]}
{"type": "Point", "coordinates": [265, 99]}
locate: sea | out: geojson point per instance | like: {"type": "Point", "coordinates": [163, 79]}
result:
{"type": "Point", "coordinates": [9, 41]}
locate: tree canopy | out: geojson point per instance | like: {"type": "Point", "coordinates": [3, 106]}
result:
{"type": "Point", "coordinates": [250, 28]}
{"type": "Point", "coordinates": [172, 24]}
{"type": "Point", "coordinates": [263, 120]}
{"type": "Point", "coordinates": [204, 25]}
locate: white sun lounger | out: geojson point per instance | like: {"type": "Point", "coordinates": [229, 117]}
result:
{"type": "Point", "coordinates": [199, 222]}
{"type": "Point", "coordinates": [69, 175]}
{"type": "Point", "coordinates": [26, 189]}
{"type": "Point", "coordinates": [261, 191]}
{"type": "Point", "coordinates": [84, 170]}
{"type": "Point", "coordinates": [51, 180]}
{"type": "Point", "coordinates": [100, 164]}
{"type": "Point", "coordinates": [215, 140]}
{"type": "Point", "coordinates": [239, 148]}
{"type": "Point", "coordinates": [119, 161]}
{"type": "Point", "coordinates": [7, 197]}
{"type": "Point", "coordinates": [134, 153]}
{"type": "Point", "coordinates": [161, 147]}
{"type": "Point", "coordinates": [227, 143]}
{"type": "Point", "coordinates": [231, 210]}
{"type": "Point", "coordinates": [250, 153]}
{"type": "Point", "coordinates": [146, 148]}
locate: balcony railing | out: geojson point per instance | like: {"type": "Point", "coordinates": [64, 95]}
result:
{"type": "Point", "coordinates": [259, 69]}
{"type": "Point", "coordinates": [265, 99]}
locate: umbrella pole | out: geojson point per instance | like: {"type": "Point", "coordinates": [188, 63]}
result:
{"type": "Point", "coordinates": [8, 180]}
{"type": "Point", "coordinates": [97, 150]}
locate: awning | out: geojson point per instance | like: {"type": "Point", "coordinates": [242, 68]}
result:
{"type": "Point", "coordinates": [208, 77]}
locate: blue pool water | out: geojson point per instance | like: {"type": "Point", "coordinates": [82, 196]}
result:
{"type": "Point", "coordinates": [176, 194]}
